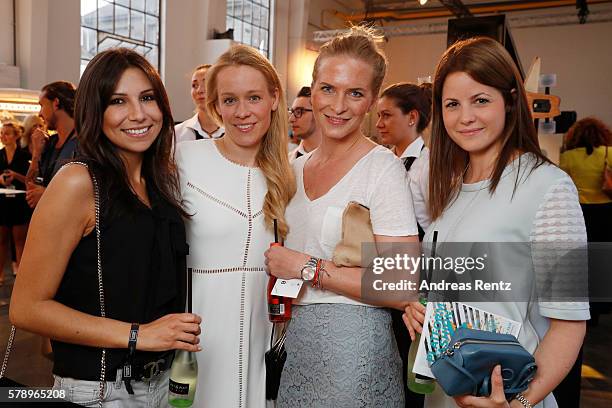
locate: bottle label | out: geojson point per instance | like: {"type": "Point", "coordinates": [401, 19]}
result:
{"type": "Point", "coordinates": [179, 388]}
{"type": "Point", "coordinates": [421, 379]}
{"type": "Point", "coordinates": [276, 309]}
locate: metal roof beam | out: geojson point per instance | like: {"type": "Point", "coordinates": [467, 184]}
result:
{"type": "Point", "coordinates": [457, 8]}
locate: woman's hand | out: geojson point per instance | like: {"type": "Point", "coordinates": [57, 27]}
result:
{"type": "Point", "coordinates": [497, 399]}
{"type": "Point", "coordinates": [12, 175]}
{"type": "Point", "coordinates": [7, 177]}
{"type": "Point", "coordinates": [177, 331]}
{"type": "Point", "coordinates": [33, 194]}
{"type": "Point", "coordinates": [414, 317]}
{"type": "Point", "coordinates": [285, 263]}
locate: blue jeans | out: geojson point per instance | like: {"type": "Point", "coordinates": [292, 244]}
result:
{"type": "Point", "coordinates": [147, 394]}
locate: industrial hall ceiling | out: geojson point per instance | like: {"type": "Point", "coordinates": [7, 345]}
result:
{"type": "Point", "coordinates": [393, 10]}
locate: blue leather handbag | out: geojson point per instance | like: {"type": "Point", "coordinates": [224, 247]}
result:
{"type": "Point", "coordinates": [465, 367]}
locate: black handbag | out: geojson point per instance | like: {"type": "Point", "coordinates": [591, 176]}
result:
{"type": "Point", "coordinates": [275, 361]}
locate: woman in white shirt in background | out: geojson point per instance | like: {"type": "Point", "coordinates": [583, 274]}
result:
{"type": "Point", "coordinates": [201, 125]}
{"type": "Point", "coordinates": [404, 112]}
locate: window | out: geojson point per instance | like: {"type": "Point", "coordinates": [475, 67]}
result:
{"type": "Point", "coordinates": [120, 23]}
{"type": "Point", "coordinates": [250, 20]}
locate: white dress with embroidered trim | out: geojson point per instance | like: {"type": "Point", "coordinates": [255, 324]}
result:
{"type": "Point", "coordinates": [227, 240]}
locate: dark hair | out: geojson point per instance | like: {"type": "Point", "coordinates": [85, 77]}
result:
{"type": "Point", "coordinates": [304, 92]}
{"type": "Point", "coordinates": [486, 61]}
{"type": "Point", "coordinates": [409, 97]}
{"type": "Point", "coordinates": [588, 133]}
{"type": "Point", "coordinates": [64, 91]}
{"type": "Point", "coordinates": [97, 85]}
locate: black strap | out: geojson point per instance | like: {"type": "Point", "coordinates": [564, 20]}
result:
{"type": "Point", "coordinates": [198, 135]}
{"type": "Point", "coordinates": [128, 373]}
{"type": "Point", "coordinates": [298, 154]}
{"type": "Point", "coordinates": [408, 161]}
{"type": "Point", "coordinates": [189, 293]}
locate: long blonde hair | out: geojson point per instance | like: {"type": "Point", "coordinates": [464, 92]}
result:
{"type": "Point", "coordinates": [272, 157]}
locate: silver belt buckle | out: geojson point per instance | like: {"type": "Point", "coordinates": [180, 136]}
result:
{"type": "Point", "coordinates": [152, 367]}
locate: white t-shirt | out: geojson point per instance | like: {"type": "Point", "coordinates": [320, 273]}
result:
{"type": "Point", "coordinates": [186, 130]}
{"type": "Point", "coordinates": [378, 181]}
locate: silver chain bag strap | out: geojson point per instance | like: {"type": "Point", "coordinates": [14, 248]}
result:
{"type": "Point", "coordinates": [9, 345]}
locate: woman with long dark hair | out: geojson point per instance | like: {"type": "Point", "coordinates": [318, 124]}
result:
{"type": "Point", "coordinates": [93, 311]}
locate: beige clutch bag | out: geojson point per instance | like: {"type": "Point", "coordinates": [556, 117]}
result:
{"type": "Point", "coordinates": [356, 229]}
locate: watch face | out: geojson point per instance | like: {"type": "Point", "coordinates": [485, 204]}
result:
{"type": "Point", "coordinates": [308, 273]}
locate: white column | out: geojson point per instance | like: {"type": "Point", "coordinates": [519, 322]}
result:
{"type": "Point", "coordinates": [48, 41]}
{"type": "Point", "coordinates": [188, 28]}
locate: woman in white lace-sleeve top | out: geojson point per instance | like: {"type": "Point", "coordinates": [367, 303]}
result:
{"type": "Point", "coordinates": [489, 182]}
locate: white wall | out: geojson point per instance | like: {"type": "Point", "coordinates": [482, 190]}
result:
{"type": "Point", "coordinates": [6, 32]}
{"type": "Point", "coordinates": [187, 43]}
{"type": "Point", "coordinates": [48, 41]}
{"type": "Point", "coordinates": [579, 55]}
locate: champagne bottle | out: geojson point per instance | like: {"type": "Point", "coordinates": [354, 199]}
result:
{"type": "Point", "coordinates": [183, 379]}
{"type": "Point", "coordinates": [184, 369]}
{"type": "Point", "coordinates": [416, 382]}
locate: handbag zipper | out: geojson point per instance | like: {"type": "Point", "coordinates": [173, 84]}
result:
{"type": "Point", "coordinates": [449, 352]}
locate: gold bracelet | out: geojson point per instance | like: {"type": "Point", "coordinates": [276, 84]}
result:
{"type": "Point", "coordinates": [524, 401]}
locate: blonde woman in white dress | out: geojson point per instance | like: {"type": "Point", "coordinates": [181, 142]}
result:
{"type": "Point", "coordinates": [235, 187]}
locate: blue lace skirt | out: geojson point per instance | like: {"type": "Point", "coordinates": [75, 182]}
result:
{"type": "Point", "coordinates": [341, 355]}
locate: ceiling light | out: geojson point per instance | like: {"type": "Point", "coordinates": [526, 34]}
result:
{"type": "Point", "coordinates": [422, 2]}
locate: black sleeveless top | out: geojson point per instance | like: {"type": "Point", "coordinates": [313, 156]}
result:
{"type": "Point", "coordinates": [144, 276]}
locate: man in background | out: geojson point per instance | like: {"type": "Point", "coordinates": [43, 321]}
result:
{"type": "Point", "coordinates": [49, 153]}
{"type": "Point", "coordinates": [303, 125]}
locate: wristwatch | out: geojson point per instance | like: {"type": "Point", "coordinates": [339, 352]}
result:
{"type": "Point", "coordinates": [309, 269]}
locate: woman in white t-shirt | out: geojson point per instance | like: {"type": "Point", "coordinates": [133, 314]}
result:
{"type": "Point", "coordinates": [340, 351]}
{"type": "Point", "coordinates": [490, 183]}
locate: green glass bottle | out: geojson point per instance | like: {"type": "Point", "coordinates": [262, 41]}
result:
{"type": "Point", "coordinates": [183, 379]}
{"type": "Point", "coordinates": [416, 382]}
